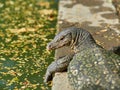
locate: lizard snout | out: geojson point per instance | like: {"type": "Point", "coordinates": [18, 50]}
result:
{"type": "Point", "coordinates": [49, 46]}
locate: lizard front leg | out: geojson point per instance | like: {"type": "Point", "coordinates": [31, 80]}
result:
{"type": "Point", "coordinates": [57, 66]}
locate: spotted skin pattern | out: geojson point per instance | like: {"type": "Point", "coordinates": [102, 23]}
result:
{"type": "Point", "coordinates": [93, 69]}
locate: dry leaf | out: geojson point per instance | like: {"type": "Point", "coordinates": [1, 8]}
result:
{"type": "Point", "coordinates": [104, 30]}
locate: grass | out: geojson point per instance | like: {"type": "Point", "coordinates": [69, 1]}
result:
{"type": "Point", "coordinates": [26, 26]}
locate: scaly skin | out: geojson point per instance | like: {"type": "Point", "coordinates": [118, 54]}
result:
{"type": "Point", "coordinates": [115, 50]}
{"type": "Point", "coordinates": [94, 69]}
{"type": "Point", "coordinates": [91, 67]}
{"type": "Point", "coordinates": [57, 66]}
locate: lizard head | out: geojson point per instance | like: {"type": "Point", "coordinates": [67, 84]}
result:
{"type": "Point", "coordinates": [61, 39]}
{"type": "Point", "coordinates": [70, 37]}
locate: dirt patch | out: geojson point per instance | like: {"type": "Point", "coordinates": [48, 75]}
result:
{"type": "Point", "coordinates": [109, 16]}
{"type": "Point", "coordinates": [100, 9]}
{"type": "Point", "coordinates": [90, 3]}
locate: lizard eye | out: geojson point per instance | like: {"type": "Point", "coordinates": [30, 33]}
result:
{"type": "Point", "coordinates": [62, 38]}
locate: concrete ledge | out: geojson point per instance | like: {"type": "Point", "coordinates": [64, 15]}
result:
{"type": "Point", "coordinates": [64, 85]}
{"type": "Point", "coordinates": [98, 17]}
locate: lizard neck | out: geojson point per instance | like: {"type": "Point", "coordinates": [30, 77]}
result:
{"type": "Point", "coordinates": [89, 43]}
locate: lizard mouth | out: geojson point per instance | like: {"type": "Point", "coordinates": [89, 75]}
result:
{"type": "Point", "coordinates": [53, 46]}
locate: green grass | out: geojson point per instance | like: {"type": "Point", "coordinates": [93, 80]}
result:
{"type": "Point", "coordinates": [26, 26]}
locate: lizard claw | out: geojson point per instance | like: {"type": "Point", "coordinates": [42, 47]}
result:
{"type": "Point", "coordinates": [50, 71]}
{"type": "Point", "coordinates": [48, 77]}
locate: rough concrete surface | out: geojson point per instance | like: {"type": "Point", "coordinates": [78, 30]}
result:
{"type": "Point", "coordinates": [64, 85]}
{"type": "Point", "coordinates": [98, 17]}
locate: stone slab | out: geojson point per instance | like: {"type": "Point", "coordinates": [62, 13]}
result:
{"type": "Point", "coordinates": [64, 85]}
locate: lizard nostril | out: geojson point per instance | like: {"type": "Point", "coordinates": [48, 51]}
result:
{"type": "Point", "coordinates": [49, 46]}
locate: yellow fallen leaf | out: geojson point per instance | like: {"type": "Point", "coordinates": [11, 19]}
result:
{"type": "Point", "coordinates": [104, 30]}
{"type": "Point", "coordinates": [44, 4]}
{"type": "Point", "coordinates": [46, 11]}
{"type": "Point", "coordinates": [22, 30]}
